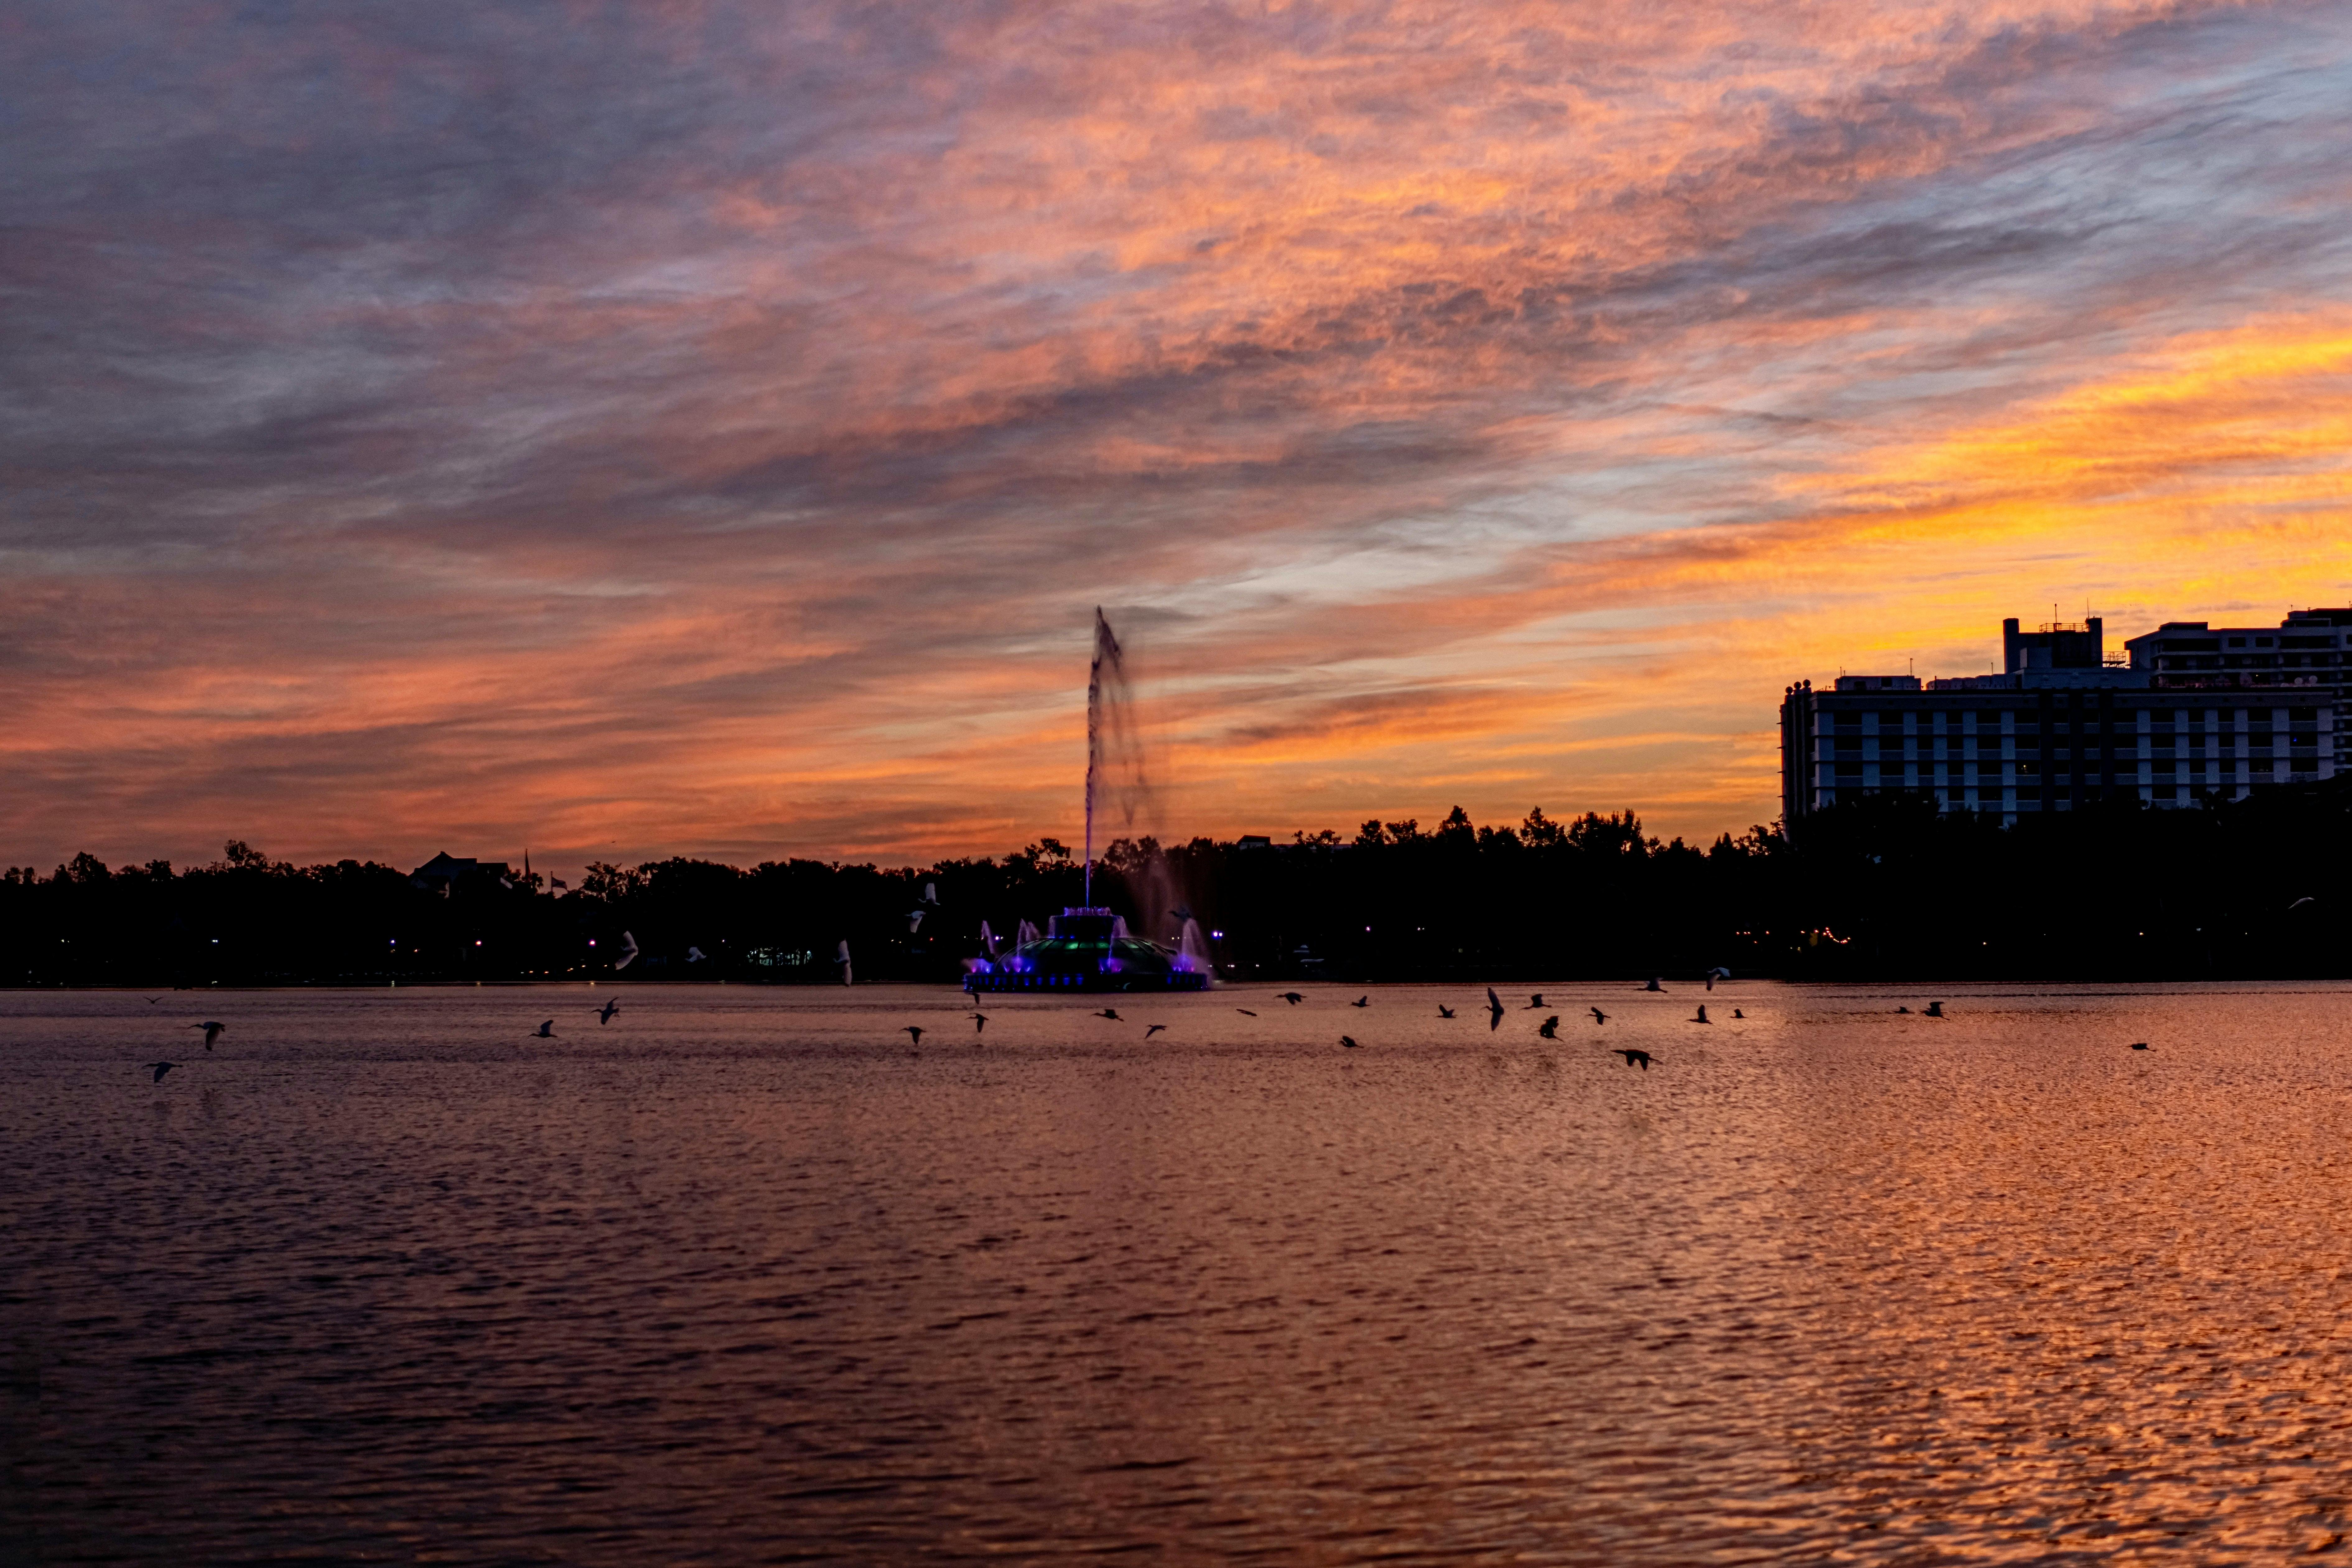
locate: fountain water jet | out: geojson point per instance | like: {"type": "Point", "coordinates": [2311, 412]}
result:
{"type": "Point", "coordinates": [1089, 948]}
{"type": "Point", "coordinates": [1114, 779]}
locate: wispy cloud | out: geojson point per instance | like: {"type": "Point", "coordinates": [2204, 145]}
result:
{"type": "Point", "coordinates": [708, 428]}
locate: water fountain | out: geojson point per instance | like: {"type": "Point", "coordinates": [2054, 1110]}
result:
{"type": "Point", "coordinates": [1089, 948]}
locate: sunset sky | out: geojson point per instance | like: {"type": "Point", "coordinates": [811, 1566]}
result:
{"type": "Point", "coordinates": [641, 430]}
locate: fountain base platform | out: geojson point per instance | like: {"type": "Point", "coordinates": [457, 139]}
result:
{"type": "Point", "coordinates": [1088, 950]}
{"type": "Point", "coordinates": [1083, 984]}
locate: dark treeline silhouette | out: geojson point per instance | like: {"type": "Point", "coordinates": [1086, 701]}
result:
{"type": "Point", "coordinates": [1881, 888]}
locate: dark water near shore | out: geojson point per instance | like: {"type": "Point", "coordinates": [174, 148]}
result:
{"type": "Point", "coordinates": [744, 1277]}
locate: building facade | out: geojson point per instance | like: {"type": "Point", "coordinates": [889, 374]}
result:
{"type": "Point", "coordinates": [2310, 651]}
{"type": "Point", "coordinates": [2059, 730]}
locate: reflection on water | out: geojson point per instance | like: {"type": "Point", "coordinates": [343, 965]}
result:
{"type": "Point", "coordinates": [743, 1277]}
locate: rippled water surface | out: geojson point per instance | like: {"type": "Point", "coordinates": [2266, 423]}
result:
{"type": "Point", "coordinates": [747, 1276]}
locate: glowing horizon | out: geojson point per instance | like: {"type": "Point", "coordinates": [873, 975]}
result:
{"type": "Point", "coordinates": [708, 432]}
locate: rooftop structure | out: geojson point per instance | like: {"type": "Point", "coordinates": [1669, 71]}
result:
{"type": "Point", "coordinates": [2057, 645]}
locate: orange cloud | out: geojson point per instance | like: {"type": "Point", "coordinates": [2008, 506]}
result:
{"type": "Point", "coordinates": [711, 431]}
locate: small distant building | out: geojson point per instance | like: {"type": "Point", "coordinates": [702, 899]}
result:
{"type": "Point", "coordinates": [1254, 841]}
{"type": "Point", "coordinates": [445, 871]}
{"type": "Point", "coordinates": [2059, 729]}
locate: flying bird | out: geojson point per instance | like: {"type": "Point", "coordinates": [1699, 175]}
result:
{"type": "Point", "coordinates": [695, 955]}
{"type": "Point", "coordinates": [915, 1033]}
{"type": "Point", "coordinates": [546, 1031]}
{"type": "Point", "coordinates": [1599, 1016]}
{"type": "Point", "coordinates": [212, 1028]}
{"type": "Point", "coordinates": [1935, 1010]}
{"type": "Point", "coordinates": [1112, 1014]}
{"type": "Point", "coordinates": [1702, 1017]}
{"type": "Point", "coordinates": [1633, 1058]}
{"type": "Point", "coordinates": [1245, 1011]}
{"type": "Point", "coordinates": [1737, 1014]}
{"type": "Point", "coordinates": [979, 1023]}
{"type": "Point", "coordinates": [1349, 1041]}
{"type": "Point", "coordinates": [1293, 997]}
{"type": "Point", "coordinates": [1550, 1028]}
{"type": "Point", "coordinates": [1443, 1011]}
{"type": "Point", "coordinates": [1494, 1011]}
{"type": "Point", "coordinates": [605, 1013]}
{"type": "Point", "coordinates": [1717, 972]}
{"type": "Point", "coordinates": [628, 951]}
{"type": "Point", "coordinates": [1534, 1003]}
{"type": "Point", "coordinates": [161, 1068]}
{"type": "Point", "coordinates": [153, 1000]}
{"type": "Point", "coordinates": [2300, 902]}
{"type": "Point", "coordinates": [1153, 1030]}
{"type": "Point", "coordinates": [1361, 1002]}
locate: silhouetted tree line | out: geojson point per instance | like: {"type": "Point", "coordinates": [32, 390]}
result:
{"type": "Point", "coordinates": [1880, 888]}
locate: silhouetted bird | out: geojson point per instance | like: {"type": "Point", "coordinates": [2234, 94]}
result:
{"type": "Point", "coordinates": [1717, 972]}
{"type": "Point", "coordinates": [161, 1068]}
{"type": "Point", "coordinates": [1737, 1014]}
{"type": "Point", "coordinates": [546, 1031]}
{"type": "Point", "coordinates": [1550, 1028]}
{"type": "Point", "coordinates": [1112, 1014]}
{"type": "Point", "coordinates": [605, 1013]}
{"type": "Point", "coordinates": [1633, 1058]}
{"type": "Point", "coordinates": [1935, 1010]}
{"type": "Point", "coordinates": [1293, 997]}
{"type": "Point", "coordinates": [1443, 1011]}
{"type": "Point", "coordinates": [212, 1028]}
{"type": "Point", "coordinates": [153, 1000]}
{"type": "Point", "coordinates": [1245, 1011]}
{"type": "Point", "coordinates": [1153, 1030]}
{"type": "Point", "coordinates": [1494, 1011]}
{"type": "Point", "coordinates": [1535, 1004]}
{"type": "Point", "coordinates": [1702, 1017]}
{"type": "Point", "coordinates": [1598, 1015]}
{"type": "Point", "coordinates": [1361, 1002]}
{"type": "Point", "coordinates": [1347, 1041]}
{"type": "Point", "coordinates": [2139, 1045]}
{"type": "Point", "coordinates": [1653, 984]}
{"type": "Point", "coordinates": [628, 951]}
{"type": "Point", "coordinates": [915, 1033]}
{"type": "Point", "coordinates": [979, 1022]}
{"type": "Point", "coordinates": [1903, 1009]}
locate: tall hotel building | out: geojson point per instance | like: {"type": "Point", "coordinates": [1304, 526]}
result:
{"type": "Point", "coordinates": [2190, 714]}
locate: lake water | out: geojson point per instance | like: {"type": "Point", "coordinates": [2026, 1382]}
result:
{"type": "Point", "coordinates": [745, 1277]}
